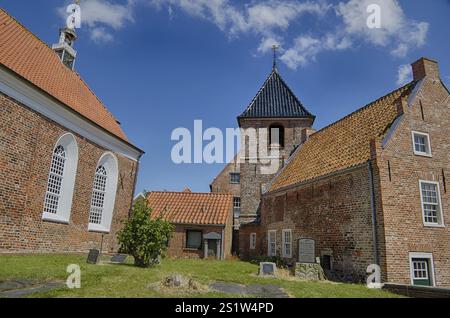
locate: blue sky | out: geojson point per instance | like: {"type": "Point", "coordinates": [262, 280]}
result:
{"type": "Point", "coordinates": [161, 64]}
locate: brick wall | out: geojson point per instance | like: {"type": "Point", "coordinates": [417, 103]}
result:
{"type": "Point", "coordinates": [177, 245]}
{"type": "Point", "coordinates": [252, 180]}
{"type": "Point", "coordinates": [334, 211]}
{"type": "Point", "coordinates": [400, 171]}
{"type": "Point", "coordinates": [27, 140]}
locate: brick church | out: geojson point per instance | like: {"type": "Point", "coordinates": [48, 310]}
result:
{"type": "Point", "coordinates": [67, 170]}
{"type": "Point", "coordinates": [371, 188]}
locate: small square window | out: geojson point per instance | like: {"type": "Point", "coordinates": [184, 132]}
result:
{"type": "Point", "coordinates": [421, 142]}
{"type": "Point", "coordinates": [193, 239]}
{"type": "Point", "coordinates": [235, 178]}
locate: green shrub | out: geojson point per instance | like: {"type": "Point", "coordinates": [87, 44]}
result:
{"type": "Point", "coordinates": [144, 238]}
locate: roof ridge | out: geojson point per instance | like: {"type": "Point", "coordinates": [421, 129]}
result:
{"type": "Point", "coordinates": [371, 104]}
{"type": "Point", "coordinates": [189, 193]}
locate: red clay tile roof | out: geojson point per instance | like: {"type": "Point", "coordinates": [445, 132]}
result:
{"type": "Point", "coordinates": [344, 144]}
{"type": "Point", "coordinates": [26, 55]}
{"type": "Point", "coordinates": [191, 208]}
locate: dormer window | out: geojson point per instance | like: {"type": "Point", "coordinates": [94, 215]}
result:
{"type": "Point", "coordinates": [421, 144]}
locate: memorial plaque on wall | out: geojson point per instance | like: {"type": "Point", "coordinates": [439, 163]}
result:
{"type": "Point", "coordinates": [93, 256]}
{"type": "Point", "coordinates": [306, 250]}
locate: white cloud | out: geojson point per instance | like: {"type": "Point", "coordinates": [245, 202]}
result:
{"type": "Point", "coordinates": [404, 74]}
{"type": "Point", "coordinates": [98, 15]}
{"type": "Point", "coordinates": [306, 48]}
{"type": "Point", "coordinates": [277, 22]}
{"type": "Point", "coordinates": [397, 31]}
{"type": "Point", "coordinates": [100, 35]}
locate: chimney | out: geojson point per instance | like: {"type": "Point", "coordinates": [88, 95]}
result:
{"type": "Point", "coordinates": [425, 68]}
{"type": "Point", "coordinates": [64, 48]}
{"type": "Point", "coordinates": [305, 133]}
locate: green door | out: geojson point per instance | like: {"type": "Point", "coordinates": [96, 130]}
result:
{"type": "Point", "coordinates": [421, 272]}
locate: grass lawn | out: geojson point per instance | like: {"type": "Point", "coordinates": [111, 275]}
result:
{"type": "Point", "coordinates": [107, 280]}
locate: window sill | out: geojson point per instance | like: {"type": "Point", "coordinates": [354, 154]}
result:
{"type": "Point", "coordinates": [430, 225]}
{"type": "Point", "coordinates": [50, 217]}
{"type": "Point", "coordinates": [98, 228]}
{"type": "Point", "coordinates": [423, 154]}
{"type": "Point", "coordinates": [191, 249]}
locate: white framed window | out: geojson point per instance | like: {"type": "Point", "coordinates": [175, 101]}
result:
{"type": "Point", "coordinates": [272, 243]}
{"type": "Point", "coordinates": [252, 241]}
{"type": "Point", "coordinates": [237, 206]}
{"type": "Point", "coordinates": [61, 180]}
{"type": "Point", "coordinates": [287, 243]}
{"type": "Point", "coordinates": [431, 203]}
{"type": "Point", "coordinates": [421, 144]}
{"type": "Point", "coordinates": [103, 194]}
{"type": "Point", "coordinates": [421, 269]}
{"type": "Point", "coordinates": [235, 178]}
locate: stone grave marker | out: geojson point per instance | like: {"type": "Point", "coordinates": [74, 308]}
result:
{"type": "Point", "coordinates": [119, 258]}
{"type": "Point", "coordinates": [306, 250]}
{"type": "Point", "coordinates": [267, 269]}
{"type": "Point", "coordinates": [93, 256]}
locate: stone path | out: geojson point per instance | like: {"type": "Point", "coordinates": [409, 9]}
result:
{"type": "Point", "coordinates": [261, 291]}
{"type": "Point", "coordinates": [18, 288]}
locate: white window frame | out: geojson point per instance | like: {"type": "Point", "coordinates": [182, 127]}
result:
{"type": "Point", "coordinates": [271, 252]}
{"type": "Point", "coordinates": [283, 240]}
{"type": "Point", "coordinates": [63, 211]}
{"type": "Point", "coordinates": [429, 256]}
{"type": "Point", "coordinates": [252, 241]}
{"type": "Point", "coordinates": [440, 212]}
{"type": "Point", "coordinates": [111, 164]}
{"type": "Point", "coordinates": [420, 153]}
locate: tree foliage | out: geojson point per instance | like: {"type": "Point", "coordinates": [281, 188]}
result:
{"type": "Point", "coordinates": [144, 237]}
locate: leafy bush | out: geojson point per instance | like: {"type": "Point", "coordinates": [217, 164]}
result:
{"type": "Point", "coordinates": [144, 238]}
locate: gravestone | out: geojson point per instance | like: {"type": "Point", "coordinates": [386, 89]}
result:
{"type": "Point", "coordinates": [93, 256]}
{"type": "Point", "coordinates": [119, 258]}
{"type": "Point", "coordinates": [267, 269]}
{"type": "Point", "coordinates": [306, 250]}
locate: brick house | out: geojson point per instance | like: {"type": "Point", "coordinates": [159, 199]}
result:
{"type": "Point", "coordinates": [67, 170]}
{"type": "Point", "coordinates": [203, 222]}
{"type": "Point", "coordinates": [371, 188]}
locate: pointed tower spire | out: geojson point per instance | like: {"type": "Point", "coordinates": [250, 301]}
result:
{"type": "Point", "coordinates": [275, 47]}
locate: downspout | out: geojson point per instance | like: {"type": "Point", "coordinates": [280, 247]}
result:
{"type": "Point", "coordinates": [222, 252]}
{"type": "Point", "coordinates": [374, 213]}
{"type": "Point", "coordinates": [135, 183]}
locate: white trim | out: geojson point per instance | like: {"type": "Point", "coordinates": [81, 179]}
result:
{"type": "Point", "coordinates": [428, 256]}
{"type": "Point", "coordinates": [252, 241]}
{"type": "Point", "coordinates": [419, 153]}
{"type": "Point", "coordinates": [441, 214]}
{"type": "Point", "coordinates": [284, 243]}
{"type": "Point", "coordinates": [269, 251]}
{"type": "Point", "coordinates": [111, 164]}
{"type": "Point", "coordinates": [64, 209]}
{"type": "Point", "coordinates": [28, 95]}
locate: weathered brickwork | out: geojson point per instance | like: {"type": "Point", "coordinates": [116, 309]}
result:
{"type": "Point", "coordinates": [27, 140]}
{"type": "Point", "coordinates": [335, 212]}
{"type": "Point", "coordinates": [177, 244]}
{"type": "Point", "coordinates": [356, 226]}
{"type": "Point", "coordinates": [253, 181]}
{"type": "Point", "coordinates": [400, 171]}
